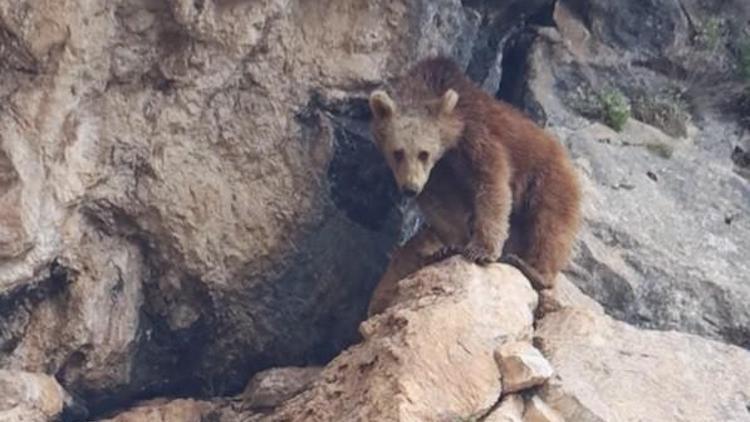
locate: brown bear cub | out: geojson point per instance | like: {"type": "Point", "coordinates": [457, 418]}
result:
{"type": "Point", "coordinates": [488, 180]}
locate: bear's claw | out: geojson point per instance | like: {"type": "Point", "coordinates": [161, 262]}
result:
{"type": "Point", "coordinates": [477, 254]}
{"type": "Point", "coordinates": [471, 253]}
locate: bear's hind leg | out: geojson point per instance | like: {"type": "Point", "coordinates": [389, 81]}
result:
{"type": "Point", "coordinates": [405, 260]}
{"type": "Point", "coordinates": [553, 220]}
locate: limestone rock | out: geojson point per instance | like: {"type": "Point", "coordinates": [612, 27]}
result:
{"type": "Point", "coordinates": [188, 193]}
{"type": "Point", "coordinates": [428, 357]}
{"type": "Point", "coordinates": [538, 411]}
{"type": "Point", "coordinates": [29, 397]}
{"type": "Point", "coordinates": [272, 387]}
{"type": "Point", "coordinates": [511, 409]}
{"type": "Point", "coordinates": [172, 170]}
{"type": "Point", "coordinates": [522, 366]}
{"type": "Point", "coordinates": [566, 294]}
{"type": "Point", "coordinates": [610, 371]}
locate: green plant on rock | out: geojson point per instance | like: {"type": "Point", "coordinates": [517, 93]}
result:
{"type": "Point", "coordinates": [615, 108]}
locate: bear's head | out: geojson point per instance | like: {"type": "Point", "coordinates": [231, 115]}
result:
{"type": "Point", "coordinates": [413, 139]}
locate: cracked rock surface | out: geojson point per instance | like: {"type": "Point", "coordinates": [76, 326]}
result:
{"type": "Point", "coordinates": [179, 181]}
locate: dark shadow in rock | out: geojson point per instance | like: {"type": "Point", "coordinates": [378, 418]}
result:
{"type": "Point", "coordinates": [618, 299]}
{"type": "Point", "coordinates": [16, 306]}
{"type": "Point", "coordinates": [303, 312]}
{"type": "Point", "coordinates": [514, 87]}
{"type": "Point", "coordinates": [361, 184]}
{"type": "Point", "coordinates": [14, 56]}
{"type": "Point", "coordinates": [499, 21]}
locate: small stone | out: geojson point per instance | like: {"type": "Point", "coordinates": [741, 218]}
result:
{"type": "Point", "coordinates": [522, 366]}
{"type": "Point", "coordinates": [510, 410]}
{"type": "Point", "coordinates": [274, 386]}
{"type": "Point", "coordinates": [538, 411]}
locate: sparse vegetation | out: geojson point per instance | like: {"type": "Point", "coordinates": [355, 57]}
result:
{"type": "Point", "coordinates": [666, 111]}
{"type": "Point", "coordinates": [609, 106]}
{"type": "Point", "coordinates": [744, 58]}
{"type": "Point", "coordinates": [656, 147]}
{"type": "Point", "coordinates": [615, 108]}
{"type": "Point", "coordinates": [710, 34]}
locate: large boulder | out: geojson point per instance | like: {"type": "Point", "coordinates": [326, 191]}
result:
{"type": "Point", "coordinates": [429, 356]}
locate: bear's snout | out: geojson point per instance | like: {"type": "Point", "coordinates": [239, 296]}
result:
{"type": "Point", "coordinates": [410, 192]}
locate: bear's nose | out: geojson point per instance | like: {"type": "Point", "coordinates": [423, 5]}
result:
{"type": "Point", "coordinates": [410, 193]}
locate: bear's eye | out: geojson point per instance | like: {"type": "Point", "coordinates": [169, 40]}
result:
{"type": "Point", "coordinates": [398, 155]}
{"type": "Point", "coordinates": [423, 156]}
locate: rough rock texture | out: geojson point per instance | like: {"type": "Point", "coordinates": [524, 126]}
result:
{"type": "Point", "coordinates": [610, 371]}
{"type": "Point", "coordinates": [666, 234]}
{"type": "Point", "coordinates": [522, 366]}
{"type": "Point", "coordinates": [510, 410]}
{"type": "Point", "coordinates": [29, 397]}
{"type": "Point", "coordinates": [188, 193]}
{"type": "Point", "coordinates": [429, 357]}
{"type": "Point", "coordinates": [539, 411]}
{"type": "Point", "coordinates": [272, 387]}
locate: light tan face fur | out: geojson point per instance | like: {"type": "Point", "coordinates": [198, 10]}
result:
{"type": "Point", "coordinates": [413, 142]}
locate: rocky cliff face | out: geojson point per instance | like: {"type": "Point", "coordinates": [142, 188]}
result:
{"type": "Point", "coordinates": [190, 196]}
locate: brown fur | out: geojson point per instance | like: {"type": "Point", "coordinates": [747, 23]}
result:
{"type": "Point", "coordinates": [499, 184]}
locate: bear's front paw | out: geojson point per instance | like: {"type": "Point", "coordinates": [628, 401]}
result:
{"type": "Point", "coordinates": [479, 254]}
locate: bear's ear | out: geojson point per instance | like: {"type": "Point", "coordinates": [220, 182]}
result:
{"type": "Point", "coordinates": [448, 102]}
{"type": "Point", "coordinates": [381, 105]}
